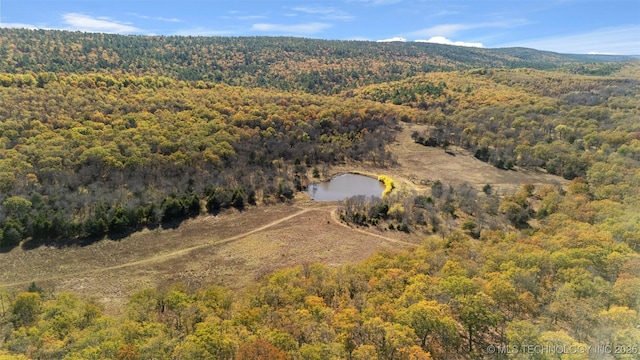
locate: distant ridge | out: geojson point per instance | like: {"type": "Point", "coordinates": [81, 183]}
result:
{"type": "Point", "coordinates": [525, 53]}
{"type": "Point", "coordinates": [286, 63]}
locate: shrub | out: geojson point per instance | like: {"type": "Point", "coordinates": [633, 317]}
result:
{"type": "Point", "coordinates": [238, 199]}
{"type": "Point", "coordinates": [11, 234]}
{"type": "Point", "coordinates": [403, 227]}
{"type": "Point", "coordinates": [219, 198]}
{"type": "Point", "coordinates": [172, 209]}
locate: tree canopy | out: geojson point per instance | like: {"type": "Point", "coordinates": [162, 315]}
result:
{"type": "Point", "coordinates": [102, 135]}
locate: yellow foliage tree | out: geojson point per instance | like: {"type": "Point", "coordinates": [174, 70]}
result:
{"type": "Point", "coordinates": [388, 184]}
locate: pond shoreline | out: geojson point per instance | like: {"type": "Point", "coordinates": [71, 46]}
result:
{"type": "Point", "coordinates": [343, 185]}
{"type": "Point", "coordinates": [354, 172]}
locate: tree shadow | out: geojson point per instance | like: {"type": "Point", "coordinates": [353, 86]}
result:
{"type": "Point", "coordinates": [31, 245]}
{"type": "Point", "coordinates": [60, 244]}
{"type": "Point", "coordinates": [6, 249]}
{"type": "Point", "coordinates": [119, 235]}
{"type": "Point", "coordinates": [171, 225]}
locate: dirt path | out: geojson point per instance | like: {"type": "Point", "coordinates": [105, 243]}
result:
{"type": "Point", "coordinates": [235, 249]}
{"type": "Point", "coordinates": [165, 256]}
{"type": "Point", "coordinates": [329, 209]}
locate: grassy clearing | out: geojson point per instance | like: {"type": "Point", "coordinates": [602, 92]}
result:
{"type": "Point", "coordinates": [236, 248]}
{"type": "Point", "coordinates": [419, 166]}
{"type": "Point", "coordinates": [233, 250]}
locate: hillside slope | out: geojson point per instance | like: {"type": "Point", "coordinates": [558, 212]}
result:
{"type": "Point", "coordinates": [318, 66]}
{"type": "Point", "coordinates": [104, 135]}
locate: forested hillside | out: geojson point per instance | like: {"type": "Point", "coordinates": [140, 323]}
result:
{"type": "Point", "coordinates": [104, 135]}
{"type": "Point", "coordinates": [316, 66]}
{"type": "Point", "coordinates": [523, 118]}
{"type": "Point", "coordinates": [87, 155]}
{"type": "Point", "coordinates": [571, 283]}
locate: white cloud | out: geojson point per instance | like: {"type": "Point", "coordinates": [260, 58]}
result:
{"type": "Point", "coordinates": [243, 17]}
{"type": "Point", "coordinates": [173, 20]}
{"type": "Point", "coordinates": [442, 30]}
{"type": "Point", "coordinates": [445, 13]}
{"type": "Point", "coordinates": [18, 26]}
{"type": "Point", "coordinates": [309, 28]}
{"type": "Point", "coordinates": [159, 18]}
{"type": "Point", "coordinates": [449, 30]}
{"type": "Point", "coordinates": [327, 13]}
{"type": "Point", "coordinates": [622, 40]}
{"type": "Point", "coordinates": [445, 41]}
{"type": "Point", "coordinates": [250, 17]}
{"type": "Point", "coordinates": [599, 53]}
{"type": "Point", "coordinates": [394, 39]}
{"type": "Point", "coordinates": [87, 23]}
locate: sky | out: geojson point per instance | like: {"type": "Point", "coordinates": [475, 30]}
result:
{"type": "Point", "coordinates": [564, 26]}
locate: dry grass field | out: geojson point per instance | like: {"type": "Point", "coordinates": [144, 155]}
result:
{"type": "Point", "coordinates": [232, 249]}
{"type": "Point", "coordinates": [419, 165]}
{"type": "Point", "coordinates": [236, 248]}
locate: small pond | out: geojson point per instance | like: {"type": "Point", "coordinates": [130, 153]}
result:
{"type": "Point", "coordinates": [344, 186]}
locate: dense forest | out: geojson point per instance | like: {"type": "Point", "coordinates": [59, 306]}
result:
{"type": "Point", "coordinates": [87, 155]}
{"type": "Point", "coordinates": [316, 66]}
{"type": "Point", "coordinates": [102, 135]}
{"type": "Point", "coordinates": [573, 282]}
{"type": "Point", "coordinates": [524, 118]}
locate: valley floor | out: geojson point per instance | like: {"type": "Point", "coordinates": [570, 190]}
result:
{"type": "Point", "coordinates": [421, 165]}
{"type": "Point", "coordinates": [232, 249]}
{"type": "Point", "coordinates": [235, 248]}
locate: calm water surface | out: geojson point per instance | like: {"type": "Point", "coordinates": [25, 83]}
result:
{"type": "Point", "coordinates": [344, 186]}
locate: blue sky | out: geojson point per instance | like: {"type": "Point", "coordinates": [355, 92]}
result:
{"type": "Point", "coordinates": [566, 26]}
